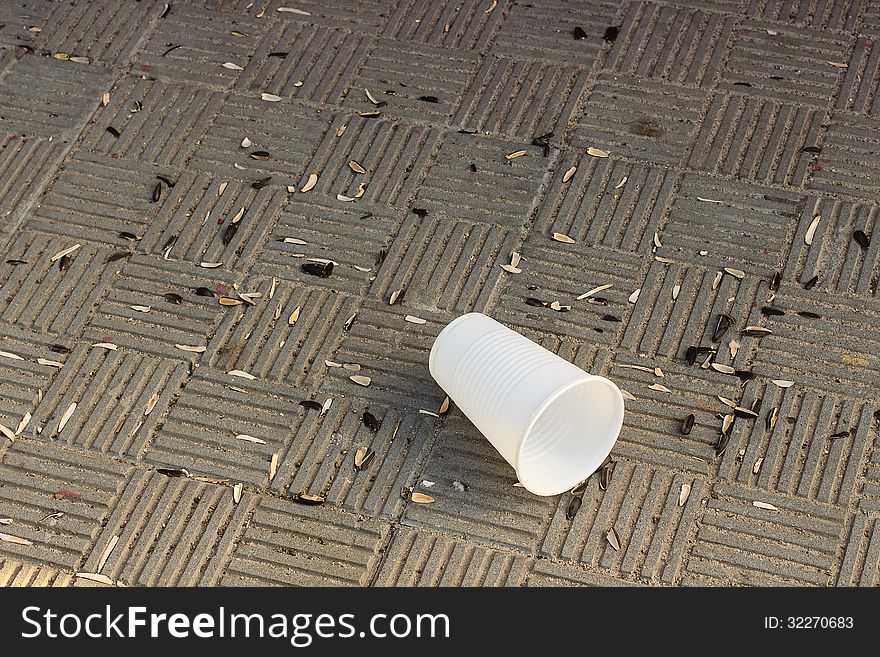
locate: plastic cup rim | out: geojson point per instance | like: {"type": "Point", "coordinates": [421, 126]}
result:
{"type": "Point", "coordinates": [608, 383]}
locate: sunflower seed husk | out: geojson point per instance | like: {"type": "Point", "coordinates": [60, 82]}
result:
{"type": "Point", "coordinates": [756, 331]}
{"type": "Point", "coordinates": [49, 363]}
{"type": "Point", "coordinates": [635, 295]}
{"type": "Point", "coordinates": [562, 237]}
{"type": "Point", "coordinates": [657, 241]}
{"type": "Point", "coordinates": [724, 369]}
{"type": "Point", "coordinates": [363, 457]}
{"type": "Point", "coordinates": [109, 346]}
{"type": "Point", "coordinates": [310, 183]}
{"type": "Point", "coordinates": [597, 152]}
{"type": "Point", "coordinates": [511, 269]}
{"type": "Point", "coordinates": [734, 348]}
{"type": "Point", "coordinates": [262, 182]}
{"type": "Point", "coordinates": [412, 319]}
{"type": "Point", "coordinates": [25, 420]}
{"type": "Point", "coordinates": [66, 417]}
{"type": "Point", "coordinates": [326, 406]}
{"type": "Point", "coordinates": [765, 505]}
{"type": "Point", "coordinates": [717, 281]}
{"type": "Point", "coordinates": [229, 301]}
{"type": "Point", "coordinates": [6, 521]}
{"type": "Point", "coordinates": [605, 473]}
{"type": "Point", "coordinates": [573, 505]}
{"type": "Point", "coordinates": [64, 252]}
{"type": "Point", "coordinates": [613, 539]}
{"type": "Point", "coordinates": [595, 290]}
{"type": "Point", "coordinates": [151, 404]}
{"type": "Point", "coordinates": [727, 402]}
{"type": "Point", "coordinates": [811, 231]}
{"type": "Point", "coordinates": [271, 98]}
{"type": "Point", "coordinates": [174, 472]}
{"type": "Point", "coordinates": [273, 466]}
{"type": "Point", "coordinates": [421, 498]}
{"type": "Point", "coordinates": [688, 424]}
{"type": "Point", "coordinates": [627, 395]}
{"type": "Point", "coordinates": [444, 406]}
{"type": "Point", "coordinates": [863, 240]}
{"type": "Point", "coordinates": [721, 445]}
{"type": "Point", "coordinates": [293, 316]}
{"type": "Point", "coordinates": [204, 292]}
{"type": "Point", "coordinates": [425, 412]}
{"type": "Point", "coordinates": [210, 265]}
{"type": "Point", "coordinates": [322, 270]}
{"type": "Point", "coordinates": [659, 387]}
{"type": "Point", "coordinates": [308, 499]}
{"type": "Point", "coordinates": [809, 314]}
{"type": "Point", "coordinates": [372, 98]}
{"type": "Point", "coordinates": [191, 348]}
{"type": "Point", "coordinates": [770, 311]}
{"type": "Point", "coordinates": [810, 284]}
{"type": "Point", "coordinates": [736, 273]}
{"type": "Point", "coordinates": [568, 174]}
{"type": "Point", "coordinates": [839, 434]}
{"type": "Point", "coordinates": [741, 411]}
{"type": "Point", "coordinates": [721, 325]}
{"type": "Point", "coordinates": [396, 295]}
{"type": "Point", "coordinates": [236, 493]}
{"type": "Point", "coordinates": [361, 380]}
{"type": "Point", "coordinates": [310, 404]}
{"type": "Point", "coordinates": [355, 166]}
{"type": "Point", "coordinates": [782, 383]}
{"type": "Point", "coordinates": [106, 553]}
{"type": "Point", "coordinates": [6, 431]}
{"type": "Point", "coordinates": [7, 538]}
{"type": "Point", "coordinates": [774, 282]}
{"type": "Point", "coordinates": [250, 439]}
{"type": "Point", "coordinates": [242, 374]}
{"type": "Point", "coordinates": [684, 494]}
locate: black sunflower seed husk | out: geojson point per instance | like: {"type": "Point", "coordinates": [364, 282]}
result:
{"type": "Point", "coordinates": [128, 236]}
{"type": "Point", "coordinates": [157, 193]}
{"type": "Point", "coordinates": [610, 318]}
{"type": "Point", "coordinates": [15, 261]}
{"type": "Point", "coordinates": [611, 33]}
{"type": "Point", "coordinates": [171, 297]}
{"type": "Point", "coordinates": [260, 155]}
{"type": "Point", "coordinates": [688, 424]}
{"type": "Point", "coordinates": [770, 311]}
{"type": "Point", "coordinates": [320, 269]}
{"type": "Point", "coordinates": [166, 180]}
{"type": "Point", "coordinates": [723, 323]}
{"type": "Point", "coordinates": [429, 99]}
{"type": "Point", "coordinates": [579, 33]}
{"type": "Point", "coordinates": [308, 500]}
{"type": "Point", "coordinates": [532, 301]}
{"type": "Point", "coordinates": [721, 445]}
{"type": "Point", "coordinates": [605, 475]}
{"type": "Point", "coordinates": [370, 421]}
{"type": "Point", "coordinates": [809, 314]}
{"type": "Point", "coordinates": [204, 292]}
{"type": "Point", "coordinates": [262, 182]}
{"type": "Point", "coordinates": [744, 375]}
{"type": "Point", "coordinates": [473, 167]}
{"type": "Point", "coordinates": [811, 149]}
{"type": "Point", "coordinates": [278, 54]}
{"type": "Point", "coordinates": [420, 212]}
{"type": "Point", "coordinates": [229, 233]}
{"type": "Point", "coordinates": [113, 131]}
{"type": "Point", "coordinates": [173, 472]}
{"type": "Point", "coordinates": [368, 458]}
{"type": "Point", "coordinates": [863, 240]}
{"type": "Point", "coordinates": [774, 282]}
{"type": "Point", "coordinates": [119, 255]}
{"type": "Point", "coordinates": [64, 262]}
{"type": "Point", "coordinates": [310, 404]}
{"type": "Point", "coordinates": [691, 355]}
{"type": "Point", "coordinates": [756, 405]}
{"type": "Point", "coordinates": [839, 434]}
{"type": "Point", "coordinates": [810, 284]}
{"type": "Point", "coordinates": [573, 505]}
{"type": "Point", "coordinates": [383, 253]}
{"type": "Point", "coordinates": [60, 349]}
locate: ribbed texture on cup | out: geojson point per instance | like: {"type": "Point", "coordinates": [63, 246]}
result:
{"type": "Point", "coordinates": [486, 389]}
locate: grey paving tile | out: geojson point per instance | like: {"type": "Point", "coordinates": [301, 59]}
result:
{"type": "Point", "coordinates": [158, 122]}
{"type": "Point", "coordinates": [485, 506]}
{"type": "Point", "coordinates": [106, 32]}
{"type": "Point", "coordinates": [548, 573]}
{"type": "Point", "coordinates": [22, 23]}
{"type": "Point", "coordinates": [858, 92]}
{"type": "Point", "coordinates": [606, 202]}
{"type": "Point", "coordinates": [641, 505]}
{"type": "Point", "coordinates": [53, 297]}
{"type": "Point", "coordinates": [644, 120]}
{"type": "Point", "coordinates": [287, 544]}
{"type": "Point", "coordinates": [815, 450]}
{"type": "Point", "coordinates": [121, 397]}
{"type": "Point", "coordinates": [17, 573]}
{"type": "Point", "coordinates": [453, 188]}
{"type": "Point", "coordinates": [841, 264]}
{"type": "Point", "coordinates": [740, 544]}
{"type": "Point", "coordinates": [847, 164]}
{"type": "Point", "coordinates": [170, 532]}
{"type": "Point", "coordinates": [723, 223]}
{"type": "Point", "coordinates": [34, 477]}
{"type": "Point", "coordinates": [461, 24]}
{"type": "Point", "coordinates": [321, 458]}
{"type": "Point", "coordinates": [418, 558]}
{"type": "Point", "coordinates": [26, 164]}
{"type": "Point", "coordinates": [859, 566]}
{"type": "Point", "coordinates": [824, 15]}
{"type": "Point", "coordinates": [47, 97]}
{"type": "Point", "coordinates": [366, 16]}
{"type": "Point", "coordinates": [299, 60]}
{"type": "Point", "coordinates": [201, 431]}
{"type": "Point", "coordinates": [394, 156]}
{"type": "Point", "coordinates": [546, 31]}
{"type": "Point", "coordinates": [521, 99]}
{"type": "Point", "coordinates": [869, 496]}
{"type": "Point", "coordinates": [671, 44]}
{"type": "Point", "coordinates": [348, 234]}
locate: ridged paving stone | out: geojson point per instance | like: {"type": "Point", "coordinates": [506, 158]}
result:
{"type": "Point", "coordinates": [416, 558]}
{"type": "Point", "coordinates": [460, 24]}
{"type": "Point", "coordinates": [288, 544]}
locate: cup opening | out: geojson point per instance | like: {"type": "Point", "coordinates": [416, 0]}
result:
{"type": "Point", "coordinates": [570, 436]}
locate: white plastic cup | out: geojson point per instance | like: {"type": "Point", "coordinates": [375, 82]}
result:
{"type": "Point", "coordinates": [553, 422]}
